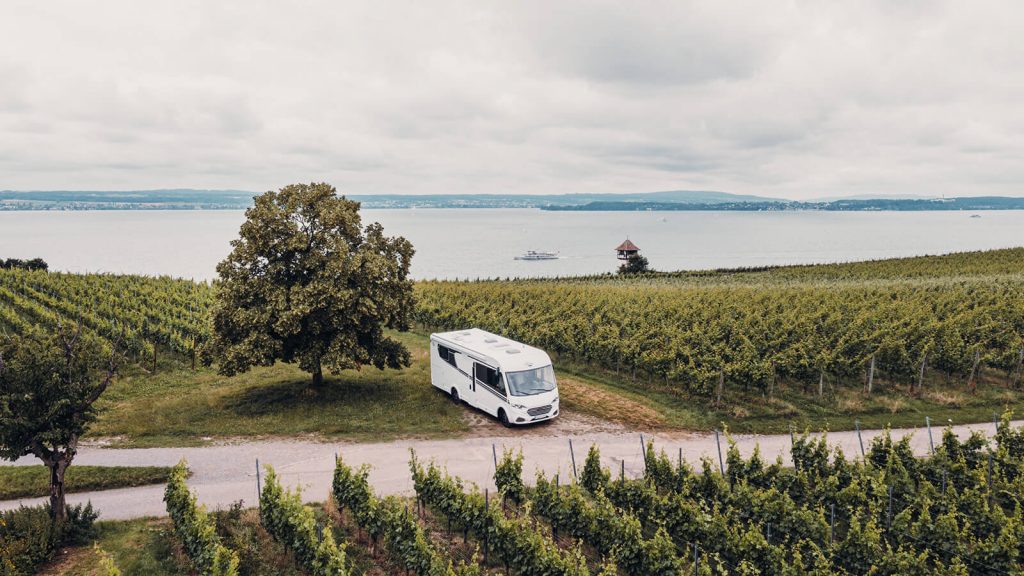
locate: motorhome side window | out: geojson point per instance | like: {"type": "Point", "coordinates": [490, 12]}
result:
{"type": "Point", "coordinates": [446, 354]}
{"type": "Point", "coordinates": [488, 376]}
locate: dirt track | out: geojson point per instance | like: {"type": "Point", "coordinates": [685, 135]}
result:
{"type": "Point", "coordinates": [227, 473]}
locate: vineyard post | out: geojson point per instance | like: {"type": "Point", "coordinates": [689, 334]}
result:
{"type": "Point", "coordinates": [974, 372]}
{"type": "Point", "coordinates": [487, 505]}
{"type": "Point", "coordinates": [990, 477]}
{"type": "Point", "coordinates": [871, 373]}
{"type": "Point", "coordinates": [944, 473]}
{"type": "Point", "coordinates": [821, 383]}
{"type": "Point", "coordinates": [696, 560]}
{"type": "Point", "coordinates": [258, 490]}
{"type": "Point", "coordinates": [721, 463]}
{"type": "Point", "coordinates": [1020, 369]}
{"type": "Point", "coordinates": [920, 375]}
{"type": "Point", "coordinates": [494, 452]}
{"type": "Point", "coordinates": [643, 451]}
{"type": "Point", "coordinates": [860, 439]}
{"type": "Point", "coordinates": [771, 383]}
{"type": "Point", "coordinates": [680, 465]}
{"type": "Point", "coordinates": [931, 443]}
{"type": "Point", "coordinates": [572, 455]}
{"type": "Point", "coordinates": [889, 514]}
{"type": "Point", "coordinates": [768, 538]}
{"type": "Point", "coordinates": [995, 422]}
{"type": "Point", "coordinates": [622, 471]}
{"type": "Point", "coordinates": [721, 384]}
{"type": "Point", "coordinates": [832, 524]}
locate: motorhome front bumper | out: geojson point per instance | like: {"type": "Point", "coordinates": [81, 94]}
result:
{"type": "Point", "coordinates": [531, 419]}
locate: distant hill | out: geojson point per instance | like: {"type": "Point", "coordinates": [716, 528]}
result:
{"type": "Point", "coordinates": [978, 203]}
{"type": "Point", "coordinates": [168, 199]}
{"type": "Point", "coordinates": [190, 199]}
{"type": "Point", "coordinates": [185, 199]}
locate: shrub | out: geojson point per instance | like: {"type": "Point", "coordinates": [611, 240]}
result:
{"type": "Point", "coordinates": [29, 537]}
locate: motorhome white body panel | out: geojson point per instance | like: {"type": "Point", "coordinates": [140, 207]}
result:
{"type": "Point", "coordinates": [497, 375]}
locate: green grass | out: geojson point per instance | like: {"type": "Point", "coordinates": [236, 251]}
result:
{"type": "Point", "coordinates": [179, 407]}
{"type": "Point", "coordinates": [31, 481]}
{"type": "Point", "coordinates": [144, 546]}
{"type": "Point", "coordinates": [838, 409]}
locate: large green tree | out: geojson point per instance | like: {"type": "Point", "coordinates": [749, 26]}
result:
{"type": "Point", "coordinates": [306, 284]}
{"type": "Point", "coordinates": [49, 383]}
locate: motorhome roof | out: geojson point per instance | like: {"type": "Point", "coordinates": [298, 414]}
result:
{"type": "Point", "coordinates": [509, 355]}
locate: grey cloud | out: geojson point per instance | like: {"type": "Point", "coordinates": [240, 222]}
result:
{"type": "Point", "coordinates": [798, 99]}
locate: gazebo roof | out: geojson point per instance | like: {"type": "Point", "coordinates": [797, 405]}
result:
{"type": "Point", "coordinates": [627, 246]}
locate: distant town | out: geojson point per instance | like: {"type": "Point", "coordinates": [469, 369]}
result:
{"type": "Point", "coordinates": [674, 200]}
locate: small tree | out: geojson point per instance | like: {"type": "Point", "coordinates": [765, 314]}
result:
{"type": "Point", "coordinates": [49, 383]}
{"type": "Point", "coordinates": [306, 284]}
{"type": "Point", "coordinates": [635, 264]}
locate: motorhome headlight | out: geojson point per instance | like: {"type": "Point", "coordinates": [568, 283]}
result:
{"type": "Point", "coordinates": [520, 406]}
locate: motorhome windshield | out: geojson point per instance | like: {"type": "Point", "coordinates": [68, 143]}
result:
{"type": "Point", "coordinates": [530, 382]}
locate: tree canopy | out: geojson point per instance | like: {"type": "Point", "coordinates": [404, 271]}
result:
{"type": "Point", "coordinates": [49, 382]}
{"type": "Point", "coordinates": [306, 284]}
{"type": "Point", "coordinates": [635, 264]}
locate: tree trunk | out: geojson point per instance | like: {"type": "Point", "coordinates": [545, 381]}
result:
{"type": "Point", "coordinates": [58, 507]}
{"type": "Point", "coordinates": [771, 383]}
{"type": "Point", "coordinates": [821, 383]}
{"type": "Point", "coordinates": [318, 375]}
{"type": "Point", "coordinates": [154, 357]}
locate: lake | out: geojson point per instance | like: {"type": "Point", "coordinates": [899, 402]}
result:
{"type": "Point", "coordinates": [481, 243]}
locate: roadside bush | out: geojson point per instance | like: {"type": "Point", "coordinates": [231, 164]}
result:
{"type": "Point", "coordinates": [29, 537]}
{"type": "Point", "coordinates": [196, 530]}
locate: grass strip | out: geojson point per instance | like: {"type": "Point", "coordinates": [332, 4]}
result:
{"type": "Point", "coordinates": [32, 481]}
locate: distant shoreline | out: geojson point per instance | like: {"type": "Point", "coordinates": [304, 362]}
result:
{"type": "Point", "coordinates": [668, 201]}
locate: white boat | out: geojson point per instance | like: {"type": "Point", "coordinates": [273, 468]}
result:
{"type": "Point", "coordinates": [538, 255]}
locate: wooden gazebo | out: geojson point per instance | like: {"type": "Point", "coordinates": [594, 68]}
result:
{"type": "Point", "coordinates": [627, 249]}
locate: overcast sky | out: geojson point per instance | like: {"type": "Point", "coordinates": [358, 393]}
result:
{"type": "Point", "coordinates": [789, 99]}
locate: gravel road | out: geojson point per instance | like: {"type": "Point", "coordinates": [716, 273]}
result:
{"type": "Point", "coordinates": [226, 473]}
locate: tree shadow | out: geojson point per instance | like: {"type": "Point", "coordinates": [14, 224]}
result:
{"type": "Point", "coordinates": [281, 396]}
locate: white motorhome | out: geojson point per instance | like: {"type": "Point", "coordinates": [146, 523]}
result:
{"type": "Point", "coordinates": [507, 379]}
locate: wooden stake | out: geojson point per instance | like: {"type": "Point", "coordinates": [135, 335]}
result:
{"type": "Point", "coordinates": [871, 373]}
{"type": "Point", "coordinates": [920, 375]}
{"type": "Point", "coordinates": [721, 384]}
{"type": "Point", "coordinates": [1015, 382]}
{"type": "Point", "coordinates": [971, 384]}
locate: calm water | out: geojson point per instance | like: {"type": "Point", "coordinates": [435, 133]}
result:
{"type": "Point", "coordinates": [482, 243]}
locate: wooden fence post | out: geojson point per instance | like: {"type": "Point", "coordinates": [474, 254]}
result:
{"type": "Point", "coordinates": [871, 373]}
